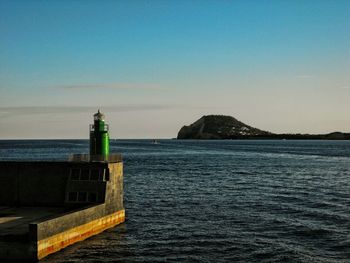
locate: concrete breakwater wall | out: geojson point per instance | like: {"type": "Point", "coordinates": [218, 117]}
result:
{"type": "Point", "coordinates": [33, 183]}
{"type": "Point", "coordinates": [46, 206]}
{"type": "Point", "coordinates": [53, 234]}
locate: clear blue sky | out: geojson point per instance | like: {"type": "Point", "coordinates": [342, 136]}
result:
{"type": "Point", "coordinates": [153, 66]}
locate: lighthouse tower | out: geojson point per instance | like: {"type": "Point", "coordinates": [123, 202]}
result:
{"type": "Point", "coordinates": [99, 138]}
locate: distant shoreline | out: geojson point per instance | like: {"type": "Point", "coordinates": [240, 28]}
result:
{"type": "Point", "coordinates": [250, 138]}
{"type": "Point", "coordinates": [329, 137]}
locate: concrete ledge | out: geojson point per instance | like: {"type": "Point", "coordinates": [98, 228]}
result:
{"type": "Point", "coordinates": [60, 223]}
{"type": "Point", "coordinates": [74, 230]}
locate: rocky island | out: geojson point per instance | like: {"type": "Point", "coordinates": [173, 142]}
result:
{"type": "Point", "coordinates": [227, 127]}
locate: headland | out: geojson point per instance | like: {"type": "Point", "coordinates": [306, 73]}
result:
{"type": "Point", "coordinates": [227, 127]}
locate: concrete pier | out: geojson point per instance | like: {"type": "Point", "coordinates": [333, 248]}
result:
{"type": "Point", "coordinates": [46, 206]}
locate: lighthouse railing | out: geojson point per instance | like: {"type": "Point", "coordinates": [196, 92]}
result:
{"type": "Point", "coordinates": [105, 128]}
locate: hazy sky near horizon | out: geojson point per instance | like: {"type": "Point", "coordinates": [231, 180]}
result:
{"type": "Point", "coordinates": [154, 66]}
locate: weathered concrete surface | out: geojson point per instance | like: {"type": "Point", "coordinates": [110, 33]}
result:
{"type": "Point", "coordinates": [114, 190]}
{"type": "Point", "coordinates": [41, 229]}
{"type": "Point", "coordinates": [77, 232]}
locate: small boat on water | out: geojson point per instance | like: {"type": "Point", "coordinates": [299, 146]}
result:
{"type": "Point", "coordinates": [154, 141]}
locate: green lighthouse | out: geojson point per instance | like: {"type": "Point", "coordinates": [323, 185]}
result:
{"type": "Point", "coordinates": [99, 138]}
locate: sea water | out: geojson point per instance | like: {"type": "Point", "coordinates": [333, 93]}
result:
{"type": "Point", "coordinates": [218, 201]}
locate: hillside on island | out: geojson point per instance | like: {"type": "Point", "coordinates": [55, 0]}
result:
{"type": "Point", "coordinates": [219, 127]}
{"type": "Point", "coordinates": [227, 127]}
